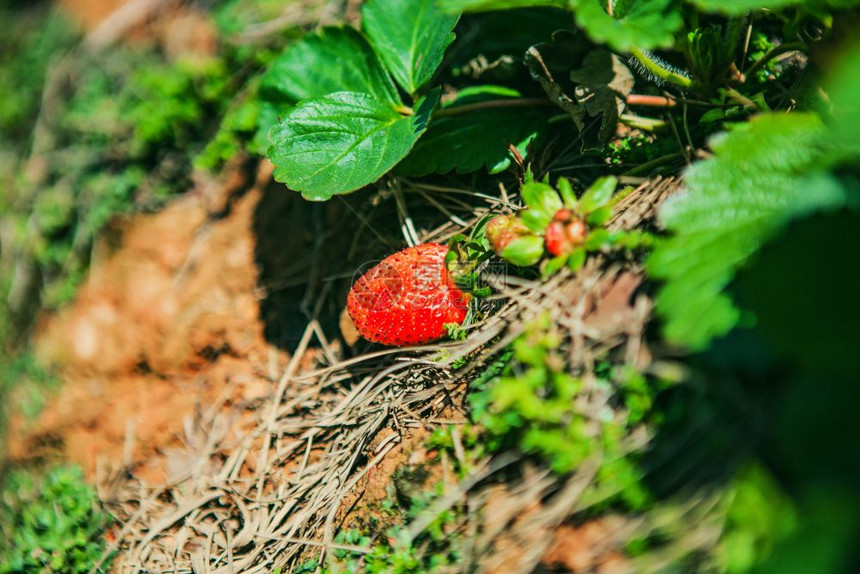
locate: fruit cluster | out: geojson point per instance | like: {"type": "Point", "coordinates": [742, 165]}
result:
{"type": "Point", "coordinates": [554, 222]}
{"type": "Point", "coordinates": [415, 295]}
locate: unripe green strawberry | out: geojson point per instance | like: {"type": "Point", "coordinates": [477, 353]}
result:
{"type": "Point", "coordinates": [503, 229]}
{"type": "Point", "coordinates": [408, 298]}
{"type": "Point", "coordinates": [575, 231]}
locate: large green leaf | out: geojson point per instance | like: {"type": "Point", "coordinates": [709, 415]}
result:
{"type": "Point", "coordinates": [341, 142]}
{"type": "Point", "coordinates": [410, 36]}
{"type": "Point", "coordinates": [763, 174]}
{"type": "Point", "coordinates": [737, 7]}
{"type": "Point", "coordinates": [635, 23]}
{"type": "Point", "coordinates": [335, 59]}
{"type": "Point", "coordinates": [843, 104]}
{"type": "Point", "coordinates": [476, 139]}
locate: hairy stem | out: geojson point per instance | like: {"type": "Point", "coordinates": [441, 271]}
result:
{"type": "Point", "coordinates": [653, 66]}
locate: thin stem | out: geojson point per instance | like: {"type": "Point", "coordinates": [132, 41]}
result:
{"type": "Point", "coordinates": [657, 162]}
{"type": "Point", "coordinates": [650, 101]}
{"type": "Point", "coordinates": [741, 99]}
{"type": "Point", "coordinates": [642, 123]}
{"type": "Point", "coordinates": [492, 104]}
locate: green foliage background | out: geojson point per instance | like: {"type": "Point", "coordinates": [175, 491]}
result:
{"type": "Point", "coordinates": [753, 278]}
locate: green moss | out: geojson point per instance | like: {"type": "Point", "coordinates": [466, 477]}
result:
{"type": "Point", "coordinates": [50, 523]}
{"type": "Point", "coordinates": [531, 406]}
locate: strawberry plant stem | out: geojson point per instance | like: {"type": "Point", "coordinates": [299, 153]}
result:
{"type": "Point", "coordinates": [657, 162]}
{"type": "Point", "coordinates": [670, 76]}
{"type": "Point", "coordinates": [651, 101]}
{"type": "Point", "coordinates": [642, 123]}
{"type": "Point", "coordinates": [492, 104]}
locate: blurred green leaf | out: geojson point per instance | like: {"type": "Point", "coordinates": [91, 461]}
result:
{"type": "Point", "coordinates": [598, 195]}
{"type": "Point", "coordinates": [541, 198]}
{"type": "Point", "coordinates": [600, 216]}
{"type": "Point", "coordinates": [576, 259]}
{"type": "Point", "coordinates": [597, 240]}
{"type": "Point", "coordinates": [554, 265]}
{"type": "Point", "coordinates": [843, 111]}
{"type": "Point", "coordinates": [641, 24]}
{"type": "Point", "coordinates": [763, 174]}
{"type": "Point", "coordinates": [524, 251]}
{"type": "Point", "coordinates": [737, 7]}
{"type": "Point", "coordinates": [565, 190]}
{"type": "Point", "coordinates": [535, 220]}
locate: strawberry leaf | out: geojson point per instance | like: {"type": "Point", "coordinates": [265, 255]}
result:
{"type": "Point", "coordinates": [600, 216]}
{"type": "Point", "coordinates": [634, 23]}
{"type": "Point", "coordinates": [764, 173]}
{"type": "Point", "coordinates": [476, 139]}
{"type": "Point", "coordinates": [554, 265]}
{"type": "Point", "coordinates": [567, 194]}
{"type": "Point", "coordinates": [341, 142]}
{"type": "Point", "coordinates": [542, 198]}
{"type": "Point", "coordinates": [410, 36]}
{"type": "Point", "coordinates": [335, 59]}
{"type": "Point", "coordinates": [598, 195]}
{"type": "Point", "coordinates": [597, 240]}
{"type": "Point", "coordinates": [576, 259]}
{"type": "Point", "coordinates": [535, 220]}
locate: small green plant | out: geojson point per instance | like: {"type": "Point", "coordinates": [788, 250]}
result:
{"type": "Point", "coordinates": [532, 406]}
{"type": "Point", "coordinates": [394, 551]}
{"type": "Point", "coordinates": [50, 523]}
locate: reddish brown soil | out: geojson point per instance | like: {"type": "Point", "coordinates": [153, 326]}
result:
{"type": "Point", "coordinates": [164, 326]}
{"type": "Point", "coordinates": [591, 547]}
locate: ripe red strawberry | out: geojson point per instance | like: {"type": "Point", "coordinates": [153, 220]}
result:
{"type": "Point", "coordinates": [563, 235]}
{"type": "Point", "coordinates": [503, 229]}
{"type": "Point", "coordinates": [407, 298]}
{"type": "Point", "coordinates": [563, 214]}
{"type": "Point", "coordinates": [556, 242]}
